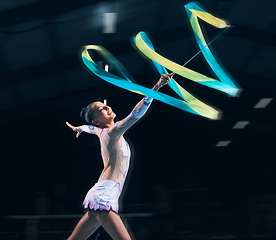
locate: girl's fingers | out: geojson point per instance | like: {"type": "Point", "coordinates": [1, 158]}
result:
{"type": "Point", "coordinates": [69, 125]}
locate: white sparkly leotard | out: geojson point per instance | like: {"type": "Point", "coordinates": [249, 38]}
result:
{"type": "Point", "coordinates": [115, 150]}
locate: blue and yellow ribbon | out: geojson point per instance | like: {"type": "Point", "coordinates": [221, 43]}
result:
{"type": "Point", "coordinates": [226, 83]}
{"type": "Point", "coordinates": [189, 103]}
{"type": "Point", "coordinates": [193, 106]}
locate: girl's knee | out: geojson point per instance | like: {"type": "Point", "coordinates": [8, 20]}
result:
{"type": "Point", "coordinates": [113, 224]}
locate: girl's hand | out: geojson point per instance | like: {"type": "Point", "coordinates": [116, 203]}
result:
{"type": "Point", "coordinates": [164, 79]}
{"type": "Point", "coordinates": [75, 129]}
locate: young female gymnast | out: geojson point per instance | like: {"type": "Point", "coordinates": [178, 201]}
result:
{"type": "Point", "coordinates": [101, 201]}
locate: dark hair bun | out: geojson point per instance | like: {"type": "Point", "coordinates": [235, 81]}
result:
{"type": "Point", "coordinates": [83, 113]}
{"type": "Point", "coordinates": [87, 114]}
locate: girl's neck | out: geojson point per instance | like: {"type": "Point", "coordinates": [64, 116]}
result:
{"type": "Point", "coordinates": [107, 125]}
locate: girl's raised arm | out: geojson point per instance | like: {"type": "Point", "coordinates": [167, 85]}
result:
{"type": "Point", "coordinates": [139, 110]}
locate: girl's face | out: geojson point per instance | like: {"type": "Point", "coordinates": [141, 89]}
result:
{"type": "Point", "coordinates": [102, 114]}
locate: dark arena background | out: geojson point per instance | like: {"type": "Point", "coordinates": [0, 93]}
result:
{"type": "Point", "coordinates": [190, 177]}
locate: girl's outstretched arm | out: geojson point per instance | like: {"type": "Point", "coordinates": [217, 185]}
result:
{"type": "Point", "coordinates": [84, 128]}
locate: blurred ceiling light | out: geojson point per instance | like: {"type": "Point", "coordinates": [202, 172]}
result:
{"type": "Point", "coordinates": [106, 68]}
{"type": "Point", "coordinates": [263, 103]}
{"type": "Point", "coordinates": [109, 22]}
{"type": "Point", "coordinates": [240, 124]}
{"type": "Point", "coordinates": [223, 143]}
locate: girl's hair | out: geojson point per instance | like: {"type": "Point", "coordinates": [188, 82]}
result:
{"type": "Point", "coordinates": [87, 114]}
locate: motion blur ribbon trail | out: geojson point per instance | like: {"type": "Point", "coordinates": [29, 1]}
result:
{"type": "Point", "coordinates": [195, 107]}
{"type": "Point", "coordinates": [190, 104]}
{"type": "Point", "coordinates": [227, 83]}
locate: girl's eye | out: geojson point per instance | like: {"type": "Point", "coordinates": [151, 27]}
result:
{"type": "Point", "coordinates": [102, 108]}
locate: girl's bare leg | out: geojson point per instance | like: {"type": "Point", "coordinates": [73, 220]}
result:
{"type": "Point", "coordinates": [87, 225]}
{"type": "Point", "coordinates": [113, 224]}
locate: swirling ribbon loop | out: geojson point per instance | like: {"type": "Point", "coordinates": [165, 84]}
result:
{"type": "Point", "coordinates": [226, 83]}
{"type": "Point", "coordinates": [194, 106]}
